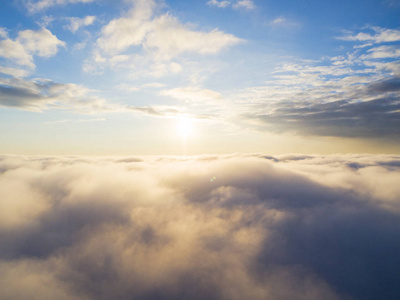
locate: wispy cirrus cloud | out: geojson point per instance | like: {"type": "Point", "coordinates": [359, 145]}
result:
{"type": "Point", "coordinates": [379, 35]}
{"type": "Point", "coordinates": [283, 21]}
{"type": "Point", "coordinates": [35, 6]}
{"type": "Point", "coordinates": [239, 4]}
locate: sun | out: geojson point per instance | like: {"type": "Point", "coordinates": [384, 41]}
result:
{"type": "Point", "coordinates": [184, 127]}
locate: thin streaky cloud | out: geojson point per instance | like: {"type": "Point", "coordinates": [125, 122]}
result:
{"type": "Point", "coordinates": [35, 6]}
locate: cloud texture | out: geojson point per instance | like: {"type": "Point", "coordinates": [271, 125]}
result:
{"type": "Point", "coordinates": [352, 95]}
{"type": "Point", "coordinates": [143, 35]}
{"type": "Point", "coordinates": [209, 227]}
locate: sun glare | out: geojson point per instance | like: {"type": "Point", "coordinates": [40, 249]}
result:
{"type": "Point", "coordinates": [185, 127]}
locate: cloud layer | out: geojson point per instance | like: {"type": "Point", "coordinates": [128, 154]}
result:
{"type": "Point", "coordinates": [209, 227]}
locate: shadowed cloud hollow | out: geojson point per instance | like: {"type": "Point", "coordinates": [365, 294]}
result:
{"type": "Point", "coordinates": [207, 227]}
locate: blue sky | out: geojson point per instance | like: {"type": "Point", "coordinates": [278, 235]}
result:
{"type": "Point", "coordinates": [192, 77]}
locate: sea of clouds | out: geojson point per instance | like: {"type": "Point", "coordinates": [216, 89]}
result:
{"type": "Point", "coordinates": [204, 227]}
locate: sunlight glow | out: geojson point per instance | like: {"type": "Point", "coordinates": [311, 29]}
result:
{"type": "Point", "coordinates": [185, 127]}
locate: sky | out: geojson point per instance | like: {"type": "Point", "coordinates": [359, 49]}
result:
{"type": "Point", "coordinates": [133, 77]}
{"type": "Point", "coordinates": [206, 149]}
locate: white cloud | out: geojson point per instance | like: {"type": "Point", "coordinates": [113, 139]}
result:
{"type": "Point", "coordinates": [39, 5]}
{"type": "Point", "coordinates": [28, 43]}
{"type": "Point", "coordinates": [46, 21]}
{"type": "Point", "coordinates": [131, 30]}
{"type": "Point", "coordinates": [14, 72]}
{"type": "Point", "coordinates": [279, 20]}
{"type": "Point", "coordinates": [170, 38]}
{"type": "Point", "coordinates": [15, 51]}
{"type": "Point", "coordinates": [220, 3]}
{"type": "Point", "coordinates": [3, 32]}
{"type": "Point", "coordinates": [244, 4]}
{"type": "Point", "coordinates": [239, 4]}
{"type": "Point", "coordinates": [76, 23]}
{"type": "Point", "coordinates": [158, 38]}
{"type": "Point", "coordinates": [382, 35]}
{"type": "Point", "coordinates": [283, 21]}
{"type": "Point", "coordinates": [383, 52]}
{"type": "Point", "coordinates": [42, 42]}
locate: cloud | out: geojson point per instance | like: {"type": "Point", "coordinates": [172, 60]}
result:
{"type": "Point", "coordinates": [157, 111]}
{"type": "Point", "coordinates": [350, 95]}
{"type": "Point", "coordinates": [76, 23]}
{"type": "Point", "coordinates": [14, 72]}
{"type": "Point", "coordinates": [3, 32]}
{"type": "Point", "coordinates": [28, 43]}
{"type": "Point", "coordinates": [381, 35]}
{"type": "Point", "coordinates": [15, 51]}
{"type": "Point", "coordinates": [215, 227]}
{"type": "Point", "coordinates": [282, 21]}
{"type": "Point", "coordinates": [170, 38]}
{"type": "Point", "coordinates": [42, 94]}
{"type": "Point", "coordinates": [245, 4]}
{"type": "Point", "coordinates": [240, 4]}
{"type": "Point", "coordinates": [372, 119]}
{"type": "Point", "coordinates": [279, 20]}
{"type": "Point", "coordinates": [219, 3]}
{"type": "Point", "coordinates": [41, 43]}
{"type": "Point", "coordinates": [383, 52]}
{"type": "Point", "coordinates": [35, 6]}
{"type": "Point", "coordinates": [156, 39]}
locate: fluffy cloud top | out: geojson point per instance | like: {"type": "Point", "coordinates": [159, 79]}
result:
{"type": "Point", "coordinates": [15, 51]}
{"type": "Point", "coordinates": [157, 37]}
{"type": "Point", "coordinates": [41, 43]}
{"type": "Point", "coordinates": [28, 43]}
{"type": "Point", "coordinates": [232, 227]}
